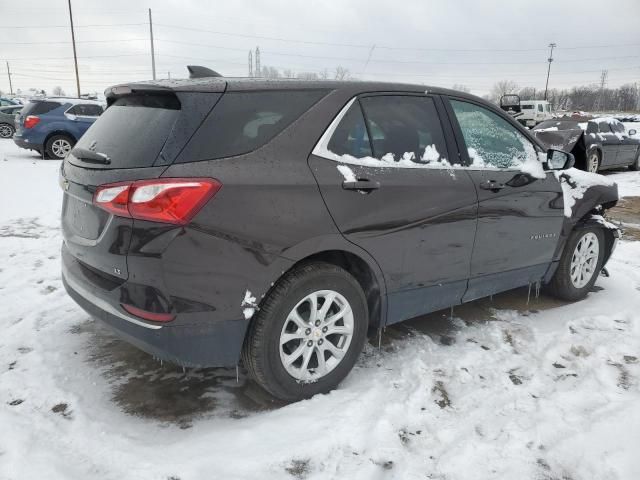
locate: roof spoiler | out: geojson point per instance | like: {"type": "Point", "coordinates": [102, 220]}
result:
{"type": "Point", "coordinates": [198, 71]}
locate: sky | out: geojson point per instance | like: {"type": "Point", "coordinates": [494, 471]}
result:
{"type": "Point", "coordinates": [435, 42]}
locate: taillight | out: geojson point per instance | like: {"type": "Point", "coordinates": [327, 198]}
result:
{"type": "Point", "coordinates": [31, 121]}
{"type": "Point", "coordinates": [170, 200]}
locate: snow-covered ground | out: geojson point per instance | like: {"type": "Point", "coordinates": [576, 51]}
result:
{"type": "Point", "coordinates": [501, 390]}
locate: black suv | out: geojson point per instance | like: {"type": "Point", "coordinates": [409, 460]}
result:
{"type": "Point", "coordinates": [274, 223]}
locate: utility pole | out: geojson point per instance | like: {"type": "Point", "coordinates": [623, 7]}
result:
{"type": "Point", "coordinates": [75, 55]}
{"type": "Point", "coordinates": [603, 83]}
{"type": "Point", "coordinates": [258, 70]}
{"type": "Point", "coordinates": [251, 63]}
{"type": "Point", "coordinates": [550, 59]}
{"type": "Point", "coordinates": [153, 55]}
{"type": "Point", "coordinates": [169, 75]}
{"type": "Point", "coordinates": [9, 75]}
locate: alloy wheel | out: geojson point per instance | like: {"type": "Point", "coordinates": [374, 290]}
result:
{"type": "Point", "coordinates": [584, 260]}
{"type": "Point", "coordinates": [6, 131]}
{"type": "Point", "coordinates": [61, 148]}
{"type": "Point", "coordinates": [316, 335]}
{"type": "Point", "coordinates": [593, 163]}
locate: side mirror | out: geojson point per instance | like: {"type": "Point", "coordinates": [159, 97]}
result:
{"type": "Point", "coordinates": [632, 132]}
{"type": "Point", "coordinates": [559, 160]}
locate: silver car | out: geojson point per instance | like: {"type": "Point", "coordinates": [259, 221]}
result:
{"type": "Point", "coordinates": [7, 120]}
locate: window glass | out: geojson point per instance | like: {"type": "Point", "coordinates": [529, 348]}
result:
{"type": "Point", "coordinates": [548, 107]}
{"type": "Point", "coordinates": [350, 137]}
{"type": "Point", "coordinates": [617, 127]}
{"type": "Point", "coordinates": [491, 141]}
{"type": "Point", "coordinates": [244, 121]}
{"type": "Point", "coordinates": [39, 108]}
{"type": "Point", "coordinates": [89, 110]}
{"type": "Point", "coordinates": [540, 107]}
{"type": "Point", "coordinates": [119, 130]}
{"type": "Point", "coordinates": [526, 107]}
{"type": "Point", "coordinates": [604, 127]}
{"type": "Point", "coordinates": [404, 127]}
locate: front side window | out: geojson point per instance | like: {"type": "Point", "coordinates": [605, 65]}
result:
{"type": "Point", "coordinates": [404, 128]}
{"type": "Point", "coordinates": [540, 107]}
{"type": "Point", "coordinates": [491, 141]}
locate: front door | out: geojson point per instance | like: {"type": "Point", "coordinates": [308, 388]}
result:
{"type": "Point", "coordinates": [628, 146]}
{"type": "Point", "coordinates": [520, 216]}
{"type": "Point", "coordinates": [386, 183]}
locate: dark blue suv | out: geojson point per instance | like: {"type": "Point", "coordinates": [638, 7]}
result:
{"type": "Point", "coordinates": [52, 126]}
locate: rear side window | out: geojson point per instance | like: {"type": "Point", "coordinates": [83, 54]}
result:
{"type": "Point", "coordinates": [39, 108]}
{"type": "Point", "coordinates": [351, 137]}
{"type": "Point", "coordinates": [131, 132]}
{"type": "Point", "coordinates": [244, 121]}
{"type": "Point", "coordinates": [540, 107]}
{"type": "Point", "coordinates": [86, 110]}
{"type": "Point", "coordinates": [405, 127]}
{"type": "Point", "coordinates": [604, 127]}
{"type": "Point", "coordinates": [526, 107]}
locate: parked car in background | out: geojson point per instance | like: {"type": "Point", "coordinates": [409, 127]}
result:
{"type": "Point", "coordinates": [52, 126]}
{"type": "Point", "coordinates": [4, 101]}
{"type": "Point", "coordinates": [597, 144]}
{"type": "Point", "coordinates": [534, 112]}
{"type": "Point", "coordinates": [278, 221]}
{"type": "Point", "coordinates": [7, 120]}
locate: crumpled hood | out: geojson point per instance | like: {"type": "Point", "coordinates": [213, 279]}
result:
{"type": "Point", "coordinates": [583, 191]}
{"type": "Point", "coordinates": [559, 139]}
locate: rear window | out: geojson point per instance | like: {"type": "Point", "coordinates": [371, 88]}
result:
{"type": "Point", "coordinates": [131, 132]}
{"type": "Point", "coordinates": [244, 121]}
{"type": "Point", "coordinates": [39, 108]}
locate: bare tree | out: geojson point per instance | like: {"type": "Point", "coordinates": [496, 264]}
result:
{"type": "Point", "coordinates": [307, 76]}
{"type": "Point", "coordinates": [58, 92]}
{"type": "Point", "coordinates": [460, 87]}
{"type": "Point", "coordinates": [288, 73]}
{"type": "Point", "coordinates": [502, 88]}
{"type": "Point", "coordinates": [270, 72]}
{"type": "Point", "coordinates": [342, 73]}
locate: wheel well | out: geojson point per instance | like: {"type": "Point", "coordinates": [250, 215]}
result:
{"type": "Point", "coordinates": [57, 132]}
{"type": "Point", "coordinates": [361, 271]}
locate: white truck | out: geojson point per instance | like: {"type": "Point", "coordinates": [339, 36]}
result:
{"type": "Point", "coordinates": [534, 112]}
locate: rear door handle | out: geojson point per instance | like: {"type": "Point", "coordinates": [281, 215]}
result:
{"type": "Point", "coordinates": [492, 185]}
{"type": "Point", "coordinates": [362, 184]}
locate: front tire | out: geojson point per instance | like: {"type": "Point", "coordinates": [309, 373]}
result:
{"type": "Point", "coordinates": [6, 130]}
{"type": "Point", "coordinates": [580, 264]}
{"type": "Point", "coordinates": [635, 166]}
{"type": "Point", "coordinates": [593, 161]}
{"type": "Point", "coordinates": [59, 146]}
{"type": "Point", "coordinates": [308, 333]}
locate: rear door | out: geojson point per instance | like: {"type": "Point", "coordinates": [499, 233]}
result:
{"type": "Point", "coordinates": [520, 217]}
{"type": "Point", "coordinates": [628, 146]}
{"type": "Point", "coordinates": [383, 172]}
{"type": "Point", "coordinates": [610, 144]}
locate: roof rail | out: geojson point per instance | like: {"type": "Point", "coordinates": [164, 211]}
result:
{"type": "Point", "coordinates": [198, 71]}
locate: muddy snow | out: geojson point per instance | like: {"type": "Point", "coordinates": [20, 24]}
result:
{"type": "Point", "coordinates": [499, 388]}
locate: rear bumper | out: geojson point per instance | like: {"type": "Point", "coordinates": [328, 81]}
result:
{"type": "Point", "coordinates": [24, 143]}
{"type": "Point", "coordinates": [207, 343]}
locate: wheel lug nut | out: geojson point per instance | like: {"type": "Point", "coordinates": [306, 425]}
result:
{"type": "Point", "coordinates": [307, 331]}
{"type": "Point", "coordinates": [324, 329]}
{"type": "Point", "coordinates": [320, 342]}
{"type": "Point", "coordinates": [310, 343]}
{"type": "Point", "coordinates": [317, 323]}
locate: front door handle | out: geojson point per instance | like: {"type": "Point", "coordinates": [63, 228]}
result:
{"type": "Point", "coordinates": [362, 184]}
{"type": "Point", "coordinates": [492, 185]}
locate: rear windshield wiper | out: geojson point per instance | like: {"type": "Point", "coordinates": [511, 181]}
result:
{"type": "Point", "coordinates": [90, 156]}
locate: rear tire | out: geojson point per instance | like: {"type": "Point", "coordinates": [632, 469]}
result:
{"type": "Point", "coordinates": [593, 162]}
{"type": "Point", "coordinates": [59, 146]}
{"type": "Point", "coordinates": [635, 166]}
{"type": "Point", "coordinates": [284, 341]}
{"type": "Point", "coordinates": [6, 130]}
{"type": "Point", "coordinates": [580, 264]}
